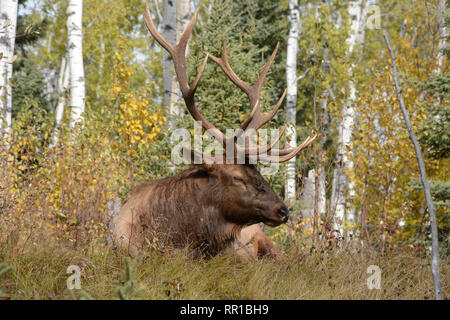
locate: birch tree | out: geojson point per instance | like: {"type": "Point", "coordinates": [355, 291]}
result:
{"type": "Point", "coordinates": [8, 24]}
{"type": "Point", "coordinates": [75, 52]}
{"type": "Point", "coordinates": [314, 199]}
{"type": "Point", "coordinates": [291, 96]}
{"type": "Point", "coordinates": [343, 188]}
{"type": "Point", "coordinates": [169, 32]}
{"type": "Point", "coordinates": [182, 20]}
{"type": "Point", "coordinates": [319, 43]}
{"type": "Point", "coordinates": [443, 34]}
{"type": "Point", "coordinates": [63, 83]}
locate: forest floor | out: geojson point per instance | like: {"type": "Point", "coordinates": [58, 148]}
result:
{"type": "Point", "coordinates": [39, 271]}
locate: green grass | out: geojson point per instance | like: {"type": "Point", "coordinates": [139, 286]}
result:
{"type": "Point", "coordinates": [38, 271]}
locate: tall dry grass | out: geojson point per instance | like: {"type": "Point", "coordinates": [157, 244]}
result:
{"type": "Point", "coordinates": [38, 271]}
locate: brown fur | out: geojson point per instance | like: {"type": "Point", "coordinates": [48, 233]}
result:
{"type": "Point", "coordinates": [205, 207]}
{"type": "Point", "coordinates": [252, 242]}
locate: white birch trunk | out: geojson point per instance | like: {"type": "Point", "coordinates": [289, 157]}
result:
{"type": "Point", "coordinates": [176, 100]}
{"type": "Point", "coordinates": [75, 51]}
{"type": "Point", "coordinates": [63, 84]}
{"type": "Point", "coordinates": [169, 32]}
{"type": "Point", "coordinates": [308, 202]}
{"type": "Point", "coordinates": [322, 196]}
{"type": "Point", "coordinates": [343, 189]}
{"type": "Point", "coordinates": [8, 24]}
{"type": "Point", "coordinates": [309, 197]}
{"type": "Point", "coordinates": [291, 96]}
{"type": "Point", "coordinates": [443, 34]}
{"type": "Point", "coordinates": [183, 18]}
{"type": "Point", "coordinates": [50, 80]}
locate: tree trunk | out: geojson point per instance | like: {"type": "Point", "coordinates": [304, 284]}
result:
{"type": "Point", "coordinates": [343, 189]}
{"type": "Point", "coordinates": [169, 32]}
{"type": "Point", "coordinates": [320, 199]}
{"type": "Point", "coordinates": [443, 34]}
{"type": "Point", "coordinates": [423, 177]}
{"type": "Point", "coordinates": [183, 18]}
{"type": "Point", "coordinates": [63, 83]}
{"type": "Point", "coordinates": [314, 198]}
{"type": "Point", "coordinates": [8, 24]}
{"type": "Point", "coordinates": [176, 99]}
{"type": "Point", "coordinates": [308, 202]}
{"type": "Point", "coordinates": [291, 97]}
{"type": "Point", "coordinates": [75, 51]}
{"type": "Point", "coordinates": [320, 196]}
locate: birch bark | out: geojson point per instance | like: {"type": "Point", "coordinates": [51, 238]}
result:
{"type": "Point", "coordinates": [443, 34]}
{"type": "Point", "coordinates": [75, 52]}
{"type": "Point", "coordinates": [291, 96]}
{"type": "Point", "coordinates": [169, 32]}
{"type": "Point", "coordinates": [343, 189]}
{"type": "Point", "coordinates": [176, 99]}
{"type": "Point", "coordinates": [63, 84]}
{"type": "Point", "coordinates": [8, 25]}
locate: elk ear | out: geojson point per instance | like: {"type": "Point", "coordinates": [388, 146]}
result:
{"type": "Point", "coordinates": [210, 168]}
{"type": "Point", "coordinates": [214, 170]}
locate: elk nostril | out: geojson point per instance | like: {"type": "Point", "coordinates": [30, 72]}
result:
{"type": "Point", "coordinates": [283, 212]}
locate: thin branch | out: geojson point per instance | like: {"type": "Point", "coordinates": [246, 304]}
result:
{"type": "Point", "coordinates": [423, 177]}
{"type": "Point", "coordinates": [303, 75]}
{"type": "Point", "coordinates": [160, 17]}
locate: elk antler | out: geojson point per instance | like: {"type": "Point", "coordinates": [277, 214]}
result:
{"type": "Point", "coordinates": [254, 121]}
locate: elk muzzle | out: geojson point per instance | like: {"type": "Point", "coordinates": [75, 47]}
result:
{"type": "Point", "coordinates": [275, 216]}
{"type": "Point", "coordinates": [283, 213]}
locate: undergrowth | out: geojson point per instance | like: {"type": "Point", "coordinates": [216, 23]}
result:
{"type": "Point", "coordinates": [39, 271]}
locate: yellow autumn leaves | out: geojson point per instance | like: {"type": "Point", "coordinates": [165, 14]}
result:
{"type": "Point", "coordinates": [62, 192]}
{"type": "Point", "coordinates": [137, 126]}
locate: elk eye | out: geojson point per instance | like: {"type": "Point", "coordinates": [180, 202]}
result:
{"type": "Point", "coordinates": [239, 179]}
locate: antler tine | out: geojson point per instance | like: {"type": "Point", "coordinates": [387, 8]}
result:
{"type": "Point", "coordinates": [206, 158]}
{"type": "Point", "coordinates": [252, 94]}
{"type": "Point", "coordinates": [187, 32]}
{"type": "Point", "coordinates": [261, 150]}
{"type": "Point", "coordinates": [222, 62]}
{"type": "Point", "coordinates": [256, 119]}
{"type": "Point", "coordinates": [263, 119]}
{"type": "Point", "coordinates": [151, 27]}
{"type": "Point", "coordinates": [199, 75]}
{"type": "Point", "coordinates": [278, 156]}
{"type": "Point", "coordinates": [266, 68]}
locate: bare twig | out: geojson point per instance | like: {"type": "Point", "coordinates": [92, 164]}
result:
{"type": "Point", "coordinates": [303, 75]}
{"type": "Point", "coordinates": [423, 177]}
{"type": "Point", "coordinates": [158, 11]}
{"type": "Point", "coordinates": [234, 276]}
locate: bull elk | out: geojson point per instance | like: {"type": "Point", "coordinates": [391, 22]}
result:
{"type": "Point", "coordinates": [211, 207]}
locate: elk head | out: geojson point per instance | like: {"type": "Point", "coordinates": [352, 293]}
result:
{"type": "Point", "coordinates": [248, 198]}
{"type": "Point", "coordinates": [245, 196]}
